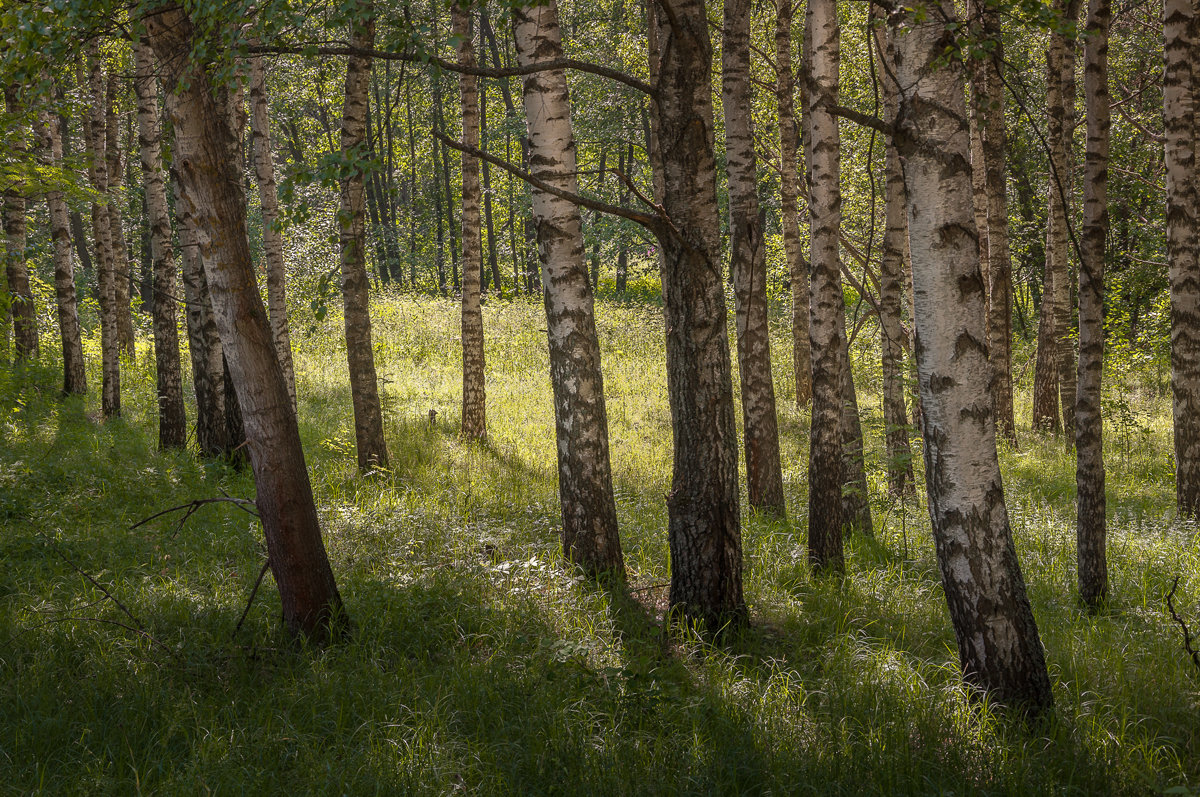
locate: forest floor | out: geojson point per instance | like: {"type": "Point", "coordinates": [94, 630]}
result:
{"type": "Point", "coordinates": [478, 664]}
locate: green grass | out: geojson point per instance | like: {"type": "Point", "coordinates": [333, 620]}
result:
{"type": "Point", "coordinates": [479, 665]}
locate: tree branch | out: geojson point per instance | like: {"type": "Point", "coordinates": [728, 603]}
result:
{"type": "Point", "coordinates": [1187, 633]}
{"type": "Point", "coordinates": [451, 66]}
{"type": "Point", "coordinates": [652, 223]}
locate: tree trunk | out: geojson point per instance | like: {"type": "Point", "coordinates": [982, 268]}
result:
{"type": "Point", "coordinates": [998, 643]}
{"type": "Point", "coordinates": [748, 262]}
{"type": "Point", "coordinates": [360, 350]}
{"type": "Point", "coordinates": [204, 344]}
{"type": "Point", "coordinates": [1067, 360]}
{"type": "Point", "coordinates": [74, 367]}
{"type": "Point", "coordinates": [827, 306]}
{"type": "Point", "coordinates": [24, 312]}
{"type": "Point", "coordinates": [789, 192]}
{"type": "Point", "coordinates": [589, 513]}
{"type": "Point", "coordinates": [1055, 312]}
{"type": "Point", "coordinates": [264, 172]}
{"type": "Point", "coordinates": [856, 495]}
{"type": "Point", "coordinates": [1183, 216]}
{"type": "Point", "coordinates": [1089, 424]}
{"type": "Point", "coordinates": [999, 271]}
{"type": "Point", "coordinates": [172, 421]}
{"type": "Point", "coordinates": [703, 527]}
{"type": "Point", "coordinates": [110, 394]}
{"type": "Point", "coordinates": [493, 260]}
{"type": "Point", "coordinates": [891, 298]}
{"type": "Point", "coordinates": [209, 194]}
{"type": "Point", "coordinates": [624, 161]}
{"type": "Point", "coordinates": [122, 272]}
{"type": "Point", "coordinates": [474, 402]}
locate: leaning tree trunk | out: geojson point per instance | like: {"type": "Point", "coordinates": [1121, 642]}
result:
{"type": "Point", "coordinates": [825, 466]}
{"type": "Point", "coordinates": [115, 161]}
{"type": "Point", "coordinates": [1089, 424]}
{"type": "Point", "coordinates": [789, 191]}
{"type": "Point", "coordinates": [172, 422]}
{"type": "Point", "coordinates": [360, 351]}
{"type": "Point", "coordinates": [110, 356]}
{"type": "Point", "coordinates": [211, 196]}
{"type": "Point", "coordinates": [748, 262]}
{"type": "Point", "coordinates": [891, 300]}
{"type": "Point", "coordinates": [74, 367]}
{"type": "Point", "coordinates": [703, 523]}
{"type": "Point", "coordinates": [24, 312]}
{"type": "Point", "coordinates": [474, 401]}
{"type": "Point", "coordinates": [1183, 215]}
{"type": "Point", "coordinates": [264, 172]}
{"type": "Point", "coordinates": [998, 643]}
{"type": "Point", "coordinates": [589, 513]}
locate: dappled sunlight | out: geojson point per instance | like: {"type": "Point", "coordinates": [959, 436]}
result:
{"type": "Point", "coordinates": [477, 660]}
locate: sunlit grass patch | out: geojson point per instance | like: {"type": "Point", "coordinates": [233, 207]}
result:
{"type": "Point", "coordinates": [479, 664]}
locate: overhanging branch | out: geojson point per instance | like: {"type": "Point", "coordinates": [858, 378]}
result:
{"type": "Point", "coordinates": [451, 66]}
{"type": "Point", "coordinates": [651, 223]}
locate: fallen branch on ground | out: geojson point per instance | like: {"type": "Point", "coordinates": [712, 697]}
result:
{"type": "Point", "coordinates": [1187, 633]}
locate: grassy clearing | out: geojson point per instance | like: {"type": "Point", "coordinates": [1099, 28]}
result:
{"type": "Point", "coordinates": [479, 665]}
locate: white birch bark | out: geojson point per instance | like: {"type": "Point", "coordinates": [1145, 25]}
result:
{"type": "Point", "coordinates": [590, 536]}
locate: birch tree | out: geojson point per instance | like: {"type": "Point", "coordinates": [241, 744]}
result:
{"type": "Point", "coordinates": [474, 402]}
{"type": "Point", "coordinates": [789, 191]}
{"type": "Point", "coordinates": [95, 128]}
{"type": "Point", "coordinates": [589, 514]}
{"type": "Point", "coordinates": [20, 297]}
{"type": "Point", "coordinates": [115, 163]}
{"type": "Point", "coordinates": [264, 173]}
{"type": "Point", "coordinates": [172, 422]}
{"type": "Point", "coordinates": [823, 151]}
{"type": "Point", "coordinates": [1089, 425]}
{"type": "Point", "coordinates": [209, 195]}
{"type": "Point", "coordinates": [360, 350]}
{"type": "Point", "coordinates": [764, 472]}
{"type": "Point", "coordinates": [891, 297]}
{"type": "Point", "coordinates": [704, 528]}
{"type": "Point", "coordinates": [999, 648]}
{"type": "Point", "coordinates": [1182, 249]}
{"type": "Point", "coordinates": [74, 368]}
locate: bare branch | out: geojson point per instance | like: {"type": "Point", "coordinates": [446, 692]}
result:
{"type": "Point", "coordinates": [250, 602]}
{"type": "Point", "coordinates": [1187, 633]}
{"type": "Point", "coordinates": [451, 66]}
{"type": "Point", "coordinates": [192, 506]}
{"type": "Point", "coordinates": [646, 220]}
